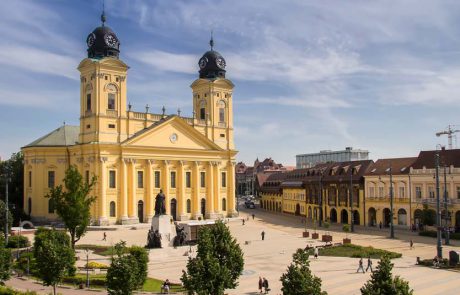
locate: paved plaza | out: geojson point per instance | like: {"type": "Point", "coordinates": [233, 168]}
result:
{"type": "Point", "coordinates": [270, 258]}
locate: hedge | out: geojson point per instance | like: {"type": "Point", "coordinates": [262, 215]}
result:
{"type": "Point", "coordinates": [18, 242]}
{"type": "Point", "coordinates": [434, 234]}
{"type": "Point", "coordinates": [9, 291]}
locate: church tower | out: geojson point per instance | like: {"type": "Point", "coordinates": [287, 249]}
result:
{"type": "Point", "coordinates": [212, 99]}
{"type": "Point", "coordinates": [102, 89]}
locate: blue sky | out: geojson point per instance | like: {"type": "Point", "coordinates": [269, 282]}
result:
{"type": "Point", "coordinates": [309, 75]}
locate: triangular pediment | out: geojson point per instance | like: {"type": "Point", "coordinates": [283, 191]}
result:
{"type": "Point", "coordinates": [173, 133]}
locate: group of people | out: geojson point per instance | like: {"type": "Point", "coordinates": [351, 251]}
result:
{"type": "Point", "coordinates": [361, 265]}
{"type": "Point", "coordinates": [263, 285]}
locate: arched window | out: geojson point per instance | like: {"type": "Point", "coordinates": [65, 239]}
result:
{"type": "Point", "coordinates": [203, 110]}
{"type": "Point", "coordinates": [51, 207]}
{"type": "Point", "coordinates": [221, 106]}
{"type": "Point", "coordinates": [224, 204]}
{"type": "Point", "coordinates": [189, 206]}
{"type": "Point", "coordinates": [111, 101]}
{"type": "Point", "coordinates": [112, 209]}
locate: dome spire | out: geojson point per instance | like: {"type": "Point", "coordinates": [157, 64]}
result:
{"type": "Point", "coordinates": [103, 18]}
{"type": "Point", "coordinates": [211, 42]}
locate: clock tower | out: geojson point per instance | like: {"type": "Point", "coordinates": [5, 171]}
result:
{"type": "Point", "coordinates": [102, 88]}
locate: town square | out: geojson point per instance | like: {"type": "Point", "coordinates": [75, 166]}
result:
{"type": "Point", "coordinates": [212, 147]}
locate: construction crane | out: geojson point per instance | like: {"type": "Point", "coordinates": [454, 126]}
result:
{"type": "Point", "coordinates": [450, 133]}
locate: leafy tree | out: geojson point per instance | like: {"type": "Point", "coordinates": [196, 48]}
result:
{"type": "Point", "coordinates": [298, 279]}
{"type": "Point", "coordinates": [383, 283]}
{"type": "Point", "coordinates": [14, 169]}
{"type": "Point", "coordinates": [5, 261]}
{"type": "Point", "coordinates": [54, 256]}
{"type": "Point", "coordinates": [73, 203]}
{"type": "Point", "coordinates": [428, 216]}
{"type": "Point", "coordinates": [218, 264]}
{"type": "Point", "coordinates": [125, 269]}
{"type": "Point", "coordinates": [2, 218]}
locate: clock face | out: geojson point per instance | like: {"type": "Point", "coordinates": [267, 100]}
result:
{"type": "Point", "coordinates": [91, 39]}
{"type": "Point", "coordinates": [173, 137]}
{"type": "Point", "coordinates": [202, 63]}
{"type": "Point", "coordinates": [220, 62]}
{"type": "Point", "coordinates": [110, 40]}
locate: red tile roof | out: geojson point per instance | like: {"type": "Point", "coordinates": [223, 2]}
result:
{"type": "Point", "coordinates": [398, 166]}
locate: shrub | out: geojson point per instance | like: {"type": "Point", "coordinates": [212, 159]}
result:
{"type": "Point", "coordinates": [18, 242]}
{"type": "Point", "coordinates": [24, 259]}
{"type": "Point", "coordinates": [9, 291]}
{"type": "Point", "coordinates": [97, 265]}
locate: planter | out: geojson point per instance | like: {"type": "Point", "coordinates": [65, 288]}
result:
{"type": "Point", "coordinates": [305, 234]}
{"type": "Point", "coordinates": [315, 236]}
{"type": "Point", "coordinates": [346, 241]}
{"type": "Point", "coordinates": [327, 238]}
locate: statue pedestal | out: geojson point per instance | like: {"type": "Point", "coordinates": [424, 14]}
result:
{"type": "Point", "coordinates": [163, 224]}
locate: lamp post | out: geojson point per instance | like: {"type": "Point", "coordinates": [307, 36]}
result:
{"type": "Point", "coordinates": [87, 268]}
{"type": "Point", "coordinates": [351, 200]}
{"type": "Point", "coordinates": [446, 218]}
{"type": "Point", "coordinates": [7, 180]}
{"type": "Point", "coordinates": [438, 216]}
{"type": "Point", "coordinates": [392, 230]}
{"type": "Point", "coordinates": [320, 197]}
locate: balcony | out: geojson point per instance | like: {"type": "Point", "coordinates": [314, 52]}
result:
{"type": "Point", "coordinates": [111, 113]}
{"type": "Point", "coordinates": [222, 124]}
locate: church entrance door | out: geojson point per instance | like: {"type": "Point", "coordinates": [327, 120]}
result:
{"type": "Point", "coordinates": [173, 209]}
{"type": "Point", "coordinates": [203, 207]}
{"type": "Point", "coordinates": [140, 211]}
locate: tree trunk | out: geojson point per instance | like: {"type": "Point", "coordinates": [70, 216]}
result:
{"type": "Point", "coordinates": [72, 234]}
{"type": "Point", "coordinates": [54, 289]}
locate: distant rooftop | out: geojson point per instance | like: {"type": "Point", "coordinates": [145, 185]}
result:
{"type": "Point", "coordinates": [63, 136]}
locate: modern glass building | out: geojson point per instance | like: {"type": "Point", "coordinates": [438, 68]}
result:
{"type": "Point", "coordinates": [349, 154]}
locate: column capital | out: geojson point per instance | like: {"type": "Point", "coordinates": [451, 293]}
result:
{"type": "Point", "coordinates": [166, 162]}
{"type": "Point", "coordinates": [150, 161]}
{"type": "Point", "coordinates": [197, 163]}
{"type": "Point", "coordinates": [103, 159]}
{"type": "Point", "coordinates": [181, 163]}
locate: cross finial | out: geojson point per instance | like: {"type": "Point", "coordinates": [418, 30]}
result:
{"type": "Point", "coordinates": [178, 112]}
{"type": "Point", "coordinates": [103, 18]}
{"type": "Point", "coordinates": [163, 109]}
{"type": "Point", "coordinates": [211, 42]}
{"type": "Point", "coordinates": [129, 106]}
{"type": "Point", "coordinates": [147, 108]}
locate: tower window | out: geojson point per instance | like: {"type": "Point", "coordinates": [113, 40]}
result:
{"type": "Point", "coordinates": [173, 179]}
{"type": "Point", "coordinates": [221, 115]}
{"type": "Point", "coordinates": [88, 126]}
{"type": "Point", "coordinates": [203, 179]}
{"type": "Point", "coordinates": [88, 102]}
{"type": "Point", "coordinates": [117, 79]}
{"type": "Point", "coordinates": [188, 176]}
{"type": "Point", "coordinates": [140, 179]}
{"type": "Point", "coordinates": [222, 135]}
{"type": "Point", "coordinates": [157, 179]}
{"type": "Point", "coordinates": [112, 182]}
{"type": "Point", "coordinates": [224, 179]}
{"type": "Point", "coordinates": [30, 178]}
{"type": "Point", "coordinates": [106, 77]}
{"type": "Point", "coordinates": [202, 114]}
{"type": "Point", "coordinates": [112, 126]}
{"type": "Point", "coordinates": [51, 177]}
{"type": "Point", "coordinates": [111, 101]}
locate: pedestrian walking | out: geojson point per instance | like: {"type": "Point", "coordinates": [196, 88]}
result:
{"type": "Point", "coordinates": [247, 218]}
{"type": "Point", "coordinates": [253, 215]}
{"type": "Point", "coordinates": [380, 225]}
{"type": "Point", "coordinates": [360, 267]}
{"type": "Point", "coordinates": [266, 286]}
{"type": "Point", "coordinates": [369, 264]}
{"type": "Point", "coordinates": [316, 252]}
{"type": "Point", "coordinates": [104, 237]}
{"type": "Point", "coordinates": [263, 235]}
{"type": "Point", "coordinates": [243, 221]}
{"type": "Point", "coordinates": [411, 243]}
{"type": "Point", "coordinates": [261, 284]}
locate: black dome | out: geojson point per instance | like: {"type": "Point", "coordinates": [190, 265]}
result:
{"type": "Point", "coordinates": [103, 42]}
{"type": "Point", "coordinates": [212, 64]}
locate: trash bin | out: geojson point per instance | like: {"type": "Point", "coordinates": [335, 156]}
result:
{"type": "Point", "coordinates": [454, 258]}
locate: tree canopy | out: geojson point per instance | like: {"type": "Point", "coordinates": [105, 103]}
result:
{"type": "Point", "coordinates": [298, 279]}
{"type": "Point", "coordinates": [5, 261]}
{"type": "Point", "coordinates": [73, 203]}
{"type": "Point", "coordinates": [218, 264]}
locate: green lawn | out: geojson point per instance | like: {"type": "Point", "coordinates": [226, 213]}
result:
{"type": "Point", "coordinates": [355, 251]}
{"type": "Point", "coordinates": [98, 249]}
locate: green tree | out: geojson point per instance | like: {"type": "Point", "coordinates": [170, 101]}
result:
{"type": "Point", "coordinates": [298, 279]}
{"type": "Point", "coordinates": [122, 275]}
{"type": "Point", "coordinates": [54, 256]}
{"type": "Point", "coordinates": [142, 258]}
{"type": "Point", "coordinates": [2, 218]}
{"type": "Point", "coordinates": [5, 261]}
{"type": "Point", "coordinates": [73, 203]}
{"type": "Point", "coordinates": [428, 216]}
{"type": "Point", "coordinates": [383, 283]}
{"type": "Point", "coordinates": [218, 264]}
{"type": "Point", "coordinates": [14, 169]}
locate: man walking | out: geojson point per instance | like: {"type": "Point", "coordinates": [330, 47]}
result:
{"type": "Point", "coordinates": [316, 252]}
{"type": "Point", "coordinates": [261, 285]}
{"type": "Point", "coordinates": [411, 243]}
{"type": "Point", "coordinates": [369, 264]}
{"type": "Point", "coordinates": [360, 267]}
{"type": "Point", "coordinates": [253, 215]}
{"type": "Point", "coordinates": [263, 235]}
{"type": "Point", "coordinates": [104, 237]}
{"type": "Point", "coordinates": [266, 286]}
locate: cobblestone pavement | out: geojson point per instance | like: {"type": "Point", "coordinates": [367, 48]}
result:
{"type": "Point", "coordinates": [270, 258]}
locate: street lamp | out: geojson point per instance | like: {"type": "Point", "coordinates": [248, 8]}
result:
{"type": "Point", "coordinates": [447, 242]}
{"type": "Point", "coordinates": [320, 197]}
{"type": "Point", "coordinates": [392, 231]}
{"type": "Point", "coordinates": [7, 180]}
{"type": "Point", "coordinates": [351, 200]}
{"type": "Point", "coordinates": [438, 216]}
{"type": "Point", "coordinates": [87, 268]}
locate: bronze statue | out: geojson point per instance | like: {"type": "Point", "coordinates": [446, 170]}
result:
{"type": "Point", "coordinates": [153, 239]}
{"type": "Point", "coordinates": [160, 207]}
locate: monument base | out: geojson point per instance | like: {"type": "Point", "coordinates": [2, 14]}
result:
{"type": "Point", "coordinates": [167, 230]}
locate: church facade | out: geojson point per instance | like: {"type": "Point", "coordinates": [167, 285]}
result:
{"type": "Point", "coordinates": [134, 155]}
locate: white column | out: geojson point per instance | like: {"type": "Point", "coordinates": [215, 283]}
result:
{"type": "Point", "coordinates": [149, 192]}
{"type": "Point", "coordinates": [102, 193]}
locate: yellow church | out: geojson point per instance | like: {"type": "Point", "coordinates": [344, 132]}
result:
{"type": "Point", "coordinates": [134, 155]}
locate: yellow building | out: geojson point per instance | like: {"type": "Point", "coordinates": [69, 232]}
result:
{"type": "Point", "coordinates": [135, 154]}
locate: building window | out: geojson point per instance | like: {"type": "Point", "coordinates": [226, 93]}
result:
{"type": "Point", "coordinates": [418, 192]}
{"type": "Point", "coordinates": [112, 126]}
{"type": "Point", "coordinates": [221, 115]}
{"type": "Point", "coordinates": [157, 179]}
{"type": "Point", "coordinates": [173, 179]}
{"type": "Point", "coordinates": [222, 135]}
{"type": "Point", "coordinates": [112, 209]}
{"type": "Point", "coordinates": [371, 192]}
{"type": "Point", "coordinates": [431, 192]}
{"type": "Point", "coordinates": [189, 206]}
{"type": "Point", "coordinates": [381, 192]}
{"type": "Point", "coordinates": [88, 102]}
{"type": "Point", "coordinates": [140, 179]}
{"type": "Point", "coordinates": [401, 192]}
{"type": "Point", "coordinates": [203, 179]}
{"type": "Point", "coordinates": [202, 114]}
{"type": "Point", "coordinates": [51, 176]}
{"type": "Point", "coordinates": [112, 182]}
{"type": "Point", "coordinates": [87, 176]}
{"type": "Point", "coordinates": [30, 178]}
{"type": "Point", "coordinates": [224, 179]}
{"type": "Point", "coordinates": [188, 176]}
{"type": "Point", "coordinates": [224, 204]}
{"type": "Point", "coordinates": [111, 101]}
{"type": "Point", "coordinates": [51, 207]}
